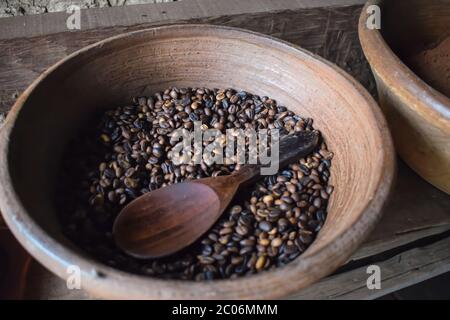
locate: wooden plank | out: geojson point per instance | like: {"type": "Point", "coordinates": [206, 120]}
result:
{"type": "Point", "coordinates": [401, 271]}
{"type": "Point", "coordinates": [95, 18]}
{"type": "Point", "coordinates": [433, 289]}
{"type": "Point", "coordinates": [370, 249]}
{"type": "Point", "coordinates": [416, 210]}
{"type": "Point", "coordinates": [329, 31]}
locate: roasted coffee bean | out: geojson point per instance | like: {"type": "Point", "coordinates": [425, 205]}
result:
{"type": "Point", "coordinates": [247, 242]}
{"type": "Point", "coordinates": [130, 152]}
{"type": "Point", "coordinates": [268, 200]}
{"type": "Point", "coordinates": [225, 231]}
{"type": "Point", "coordinates": [242, 230]}
{"type": "Point", "coordinates": [276, 242]}
{"type": "Point", "coordinates": [246, 250]}
{"type": "Point", "coordinates": [207, 250]}
{"type": "Point", "coordinates": [236, 210]}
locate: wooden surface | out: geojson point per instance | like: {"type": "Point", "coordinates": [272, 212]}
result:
{"type": "Point", "coordinates": [418, 115]}
{"type": "Point", "coordinates": [142, 63]}
{"type": "Point", "coordinates": [147, 14]}
{"type": "Point", "coordinates": [417, 210]}
{"type": "Point", "coordinates": [330, 31]}
{"type": "Point", "coordinates": [402, 270]}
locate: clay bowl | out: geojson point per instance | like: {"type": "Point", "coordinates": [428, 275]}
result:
{"type": "Point", "coordinates": [109, 73]}
{"type": "Point", "coordinates": [418, 115]}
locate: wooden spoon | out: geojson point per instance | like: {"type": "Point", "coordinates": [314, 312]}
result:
{"type": "Point", "coordinates": [169, 219]}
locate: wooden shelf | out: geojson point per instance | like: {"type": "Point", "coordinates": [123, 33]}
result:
{"type": "Point", "coordinates": [410, 244]}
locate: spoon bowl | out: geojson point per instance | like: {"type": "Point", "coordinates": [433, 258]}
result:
{"type": "Point", "coordinates": [155, 225]}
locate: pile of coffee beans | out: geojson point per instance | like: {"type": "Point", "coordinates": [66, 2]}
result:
{"type": "Point", "coordinates": [128, 151]}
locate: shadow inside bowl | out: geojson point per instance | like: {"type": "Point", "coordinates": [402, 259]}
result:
{"type": "Point", "coordinates": [422, 40]}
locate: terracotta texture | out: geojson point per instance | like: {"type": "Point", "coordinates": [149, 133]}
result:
{"type": "Point", "coordinates": [433, 65]}
{"type": "Point", "coordinates": [110, 72]}
{"type": "Point", "coordinates": [418, 115]}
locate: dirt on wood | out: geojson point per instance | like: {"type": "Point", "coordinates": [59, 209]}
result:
{"type": "Point", "coordinates": [9, 8]}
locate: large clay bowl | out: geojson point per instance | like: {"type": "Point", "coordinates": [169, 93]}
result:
{"type": "Point", "coordinates": [418, 114]}
{"type": "Point", "coordinates": [108, 73]}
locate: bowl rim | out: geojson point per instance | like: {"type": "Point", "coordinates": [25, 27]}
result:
{"type": "Point", "coordinates": [105, 281]}
{"type": "Point", "coordinates": [433, 104]}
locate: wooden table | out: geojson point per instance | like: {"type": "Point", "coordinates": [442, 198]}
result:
{"type": "Point", "coordinates": [411, 243]}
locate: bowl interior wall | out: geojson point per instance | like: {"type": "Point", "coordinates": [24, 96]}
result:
{"type": "Point", "coordinates": [109, 75]}
{"type": "Point", "coordinates": [409, 26]}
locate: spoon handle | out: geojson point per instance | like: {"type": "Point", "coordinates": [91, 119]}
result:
{"type": "Point", "coordinates": [291, 148]}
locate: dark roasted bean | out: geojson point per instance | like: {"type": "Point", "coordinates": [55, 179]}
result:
{"type": "Point", "coordinates": [265, 226]}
